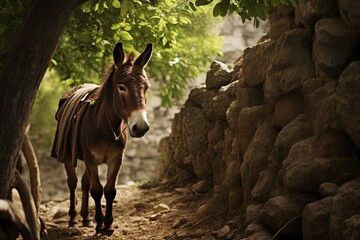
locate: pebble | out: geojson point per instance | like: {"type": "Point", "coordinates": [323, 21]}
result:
{"type": "Point", "coordinates": [223, 232]}
{"type": "Point", "coordinates": [155, 216]}
{"type": "Point", "coordinates": [179, 222]}
{"type": "Point", "coordinates": [161, 207]}
{"type": "Point", "coordinates": [60, 212]}
{"type": "Point", "coordinates": [182, 234]}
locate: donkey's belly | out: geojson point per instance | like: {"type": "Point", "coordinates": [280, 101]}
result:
{"type": "Point", "coordinates": [106, 154]}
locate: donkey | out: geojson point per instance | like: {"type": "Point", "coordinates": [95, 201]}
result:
{"type": "Point", "coordinates": [92, 123]}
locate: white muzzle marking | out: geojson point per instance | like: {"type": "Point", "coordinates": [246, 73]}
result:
{"type": "Point", "coordinates": [138, 123]}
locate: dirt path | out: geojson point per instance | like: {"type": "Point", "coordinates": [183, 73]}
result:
{"type": "Point", "coordinates": [155, 213]}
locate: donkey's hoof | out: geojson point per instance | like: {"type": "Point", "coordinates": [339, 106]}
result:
{"type": "Point", "coordinates": [73, 224]}
{"type": "Point", "coordinates": [105, 231]}
{"type": "Point", "coordinates": [88, 223]}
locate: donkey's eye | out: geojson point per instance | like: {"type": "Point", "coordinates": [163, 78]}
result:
{"type": "Point", "coordinates": [122, 88]}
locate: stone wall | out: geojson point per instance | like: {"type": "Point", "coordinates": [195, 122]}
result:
{"type": "Point", "coordinates": [141, 154]}
{"type": "Point", "coordinates": [276, 139]}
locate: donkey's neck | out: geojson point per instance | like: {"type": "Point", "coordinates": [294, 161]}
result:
{"type": "Point", "coordinates": [105, 118]}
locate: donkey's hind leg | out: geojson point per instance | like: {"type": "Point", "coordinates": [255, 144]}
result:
{"type": "Point", "coordinates": [72, 182]}
{"type": "Point", "coordinates": [85, 186]}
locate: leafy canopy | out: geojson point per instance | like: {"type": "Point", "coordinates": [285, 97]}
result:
{"type": "Point", "coordinates": [247, 9]}
{"type": "Point", "coordinates": [181, 31]}
{"type": "Point", "coordinates": [184, 40]}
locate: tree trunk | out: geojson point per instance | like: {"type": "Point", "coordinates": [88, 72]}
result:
{"type": "Point", "coordinates": [21, 74]}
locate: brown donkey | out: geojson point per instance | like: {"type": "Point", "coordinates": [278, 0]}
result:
{"type": "Point", "coordinates": [91, 127]}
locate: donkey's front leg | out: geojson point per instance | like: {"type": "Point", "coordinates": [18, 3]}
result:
{"type": "Point", "coordinates": [96, 191]}
{"type": "Point", "coordinates": [110, 192]}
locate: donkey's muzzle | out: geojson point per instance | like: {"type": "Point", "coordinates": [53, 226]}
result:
{"type": "Point", "coordinates": [138, 124]}
{"type": "Point", "coordinates": [138, 131]}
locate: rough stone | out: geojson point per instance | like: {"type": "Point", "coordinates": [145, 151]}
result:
{"type": "Point", "coordinates": [255, 159]}
{"type": "Point", "coordinates": [232, 115]}
{"type": "Point", "coordinates": [335, 46]}
{"type": "Point", "coordinates": [248, 120]}
{"type": "Point", "coordinates": [214, 205]}
{"type": "Point", "coordinates": [347, 101]}
{"type": "Point", "coordinates": [179, 222]}
{"type": "Point", "coordinates": [311, 85]}
{"type": "Point", "coordinates": [345, 204]}
{"type": "Point", "coordinates": [278, 211]}
{"type": "Point", "coordinates": [256, 60]}
{"type": "Point", "coordinates": [218, 75]}
{"type": "Point", "coordinates": [252, 213]}
{"type": "Point", "coordinates": [221, 103]}
{"type": "Point", "coordinates": [287, 109]}
{"type": "Point", "coordinates": [322, 106]}
{"type": "Point", "coordinates": [305, 162]}
{"type": "Point", "coordinates": [315, 219]}
{"type": "Point", "coordinates": [308, 12]}
{"type": "Point", "coordinates": [328, 189]}
{"type": "Point", "coordinates": [352, 228]}
{"type": "Point", "coordinates": [160, 207]}
{"type": "Point", "coordinates": [287, 72]}
{"type": "Point", "coordinates": [350, 13]}
{"type": "Point", "coordinates": [248, 97]}
{"type": "Point", "coordinates": [253, 229]}
{"type": "Point", "coordinates": [300, 128]}
{"type": "Point", "coordinates": [280, 27]}
{"type": "Point", "coordinates": [264, 185]}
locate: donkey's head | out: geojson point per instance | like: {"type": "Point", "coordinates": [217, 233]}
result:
{"type": "Point", "coordinates": [130, 83]}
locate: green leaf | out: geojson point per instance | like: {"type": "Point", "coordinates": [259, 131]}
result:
{"type": "Point", "coordinates": [125, 36]}
{"type": "Point", "coordinates": [164, 41]}
{"type": "Point", "coordinates": [116, 4]}
{"type": "Point", "coordinates": [172, 20]}
{"type": "Point", "coordinates": [192, 6]}
{"type": "Point", "coordinates": [202, 2]}
{"type": "Point", "coordinates": [185, 20]}
{"type": "Point", "coordinates": [54, 62]}
{"type": "Point", "coordinates": [221, 8]}
{"type": "Point", "coordinates": [116, 26]}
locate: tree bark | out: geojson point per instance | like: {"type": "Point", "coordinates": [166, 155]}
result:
{"type": "Point", "coordinates": [21, 74]}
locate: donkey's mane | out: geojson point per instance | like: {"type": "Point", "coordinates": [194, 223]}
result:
{"type": "Point", "coordinates": [130, 58]}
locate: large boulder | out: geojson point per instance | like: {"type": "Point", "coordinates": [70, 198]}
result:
{"type": "Point", "coordinates": [352, 228]}
{"type": "Point", "coordinates": [218, 75]}
{"type": "Point", "coordinates": [348, 103]}
{"type": "Point", "coordinates": [345, 205]}
{"type": "Point", "coordinates": [255, 159]}
{"type": "Point", "coordinates": [315, 219]}
{"type": "Point", "coordinates": [292, 64]}
{"type": "Point", "coordinates": [287, 109]}
{"type": "Point", "coordinates": [248, 120]}
{"type": "Point", "coordinates": [256, 61]}
{"type": "Point", "coordinates": [299, 129]}
{"type": "Point", "coordinates": [350, 13]}
{"type": "Point", "coordinates": [335, 46]}
{"type": "Point", "coordinates": [278, 211]}
{"type": "Point", "coordinates": [308, 12]}
{"type": "Point", "coordinates": [320, 154]}
{"type": "Point", "coordinates": [322, 107]}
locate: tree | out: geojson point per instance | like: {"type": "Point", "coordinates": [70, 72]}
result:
{"type": "Point", "coordinates": [21, 73]}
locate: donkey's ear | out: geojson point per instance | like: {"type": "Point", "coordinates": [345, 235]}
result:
{"type": "Point", "coordinates": [144, 57]}
{"type": "Point", "coordinates": [119, 54]}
